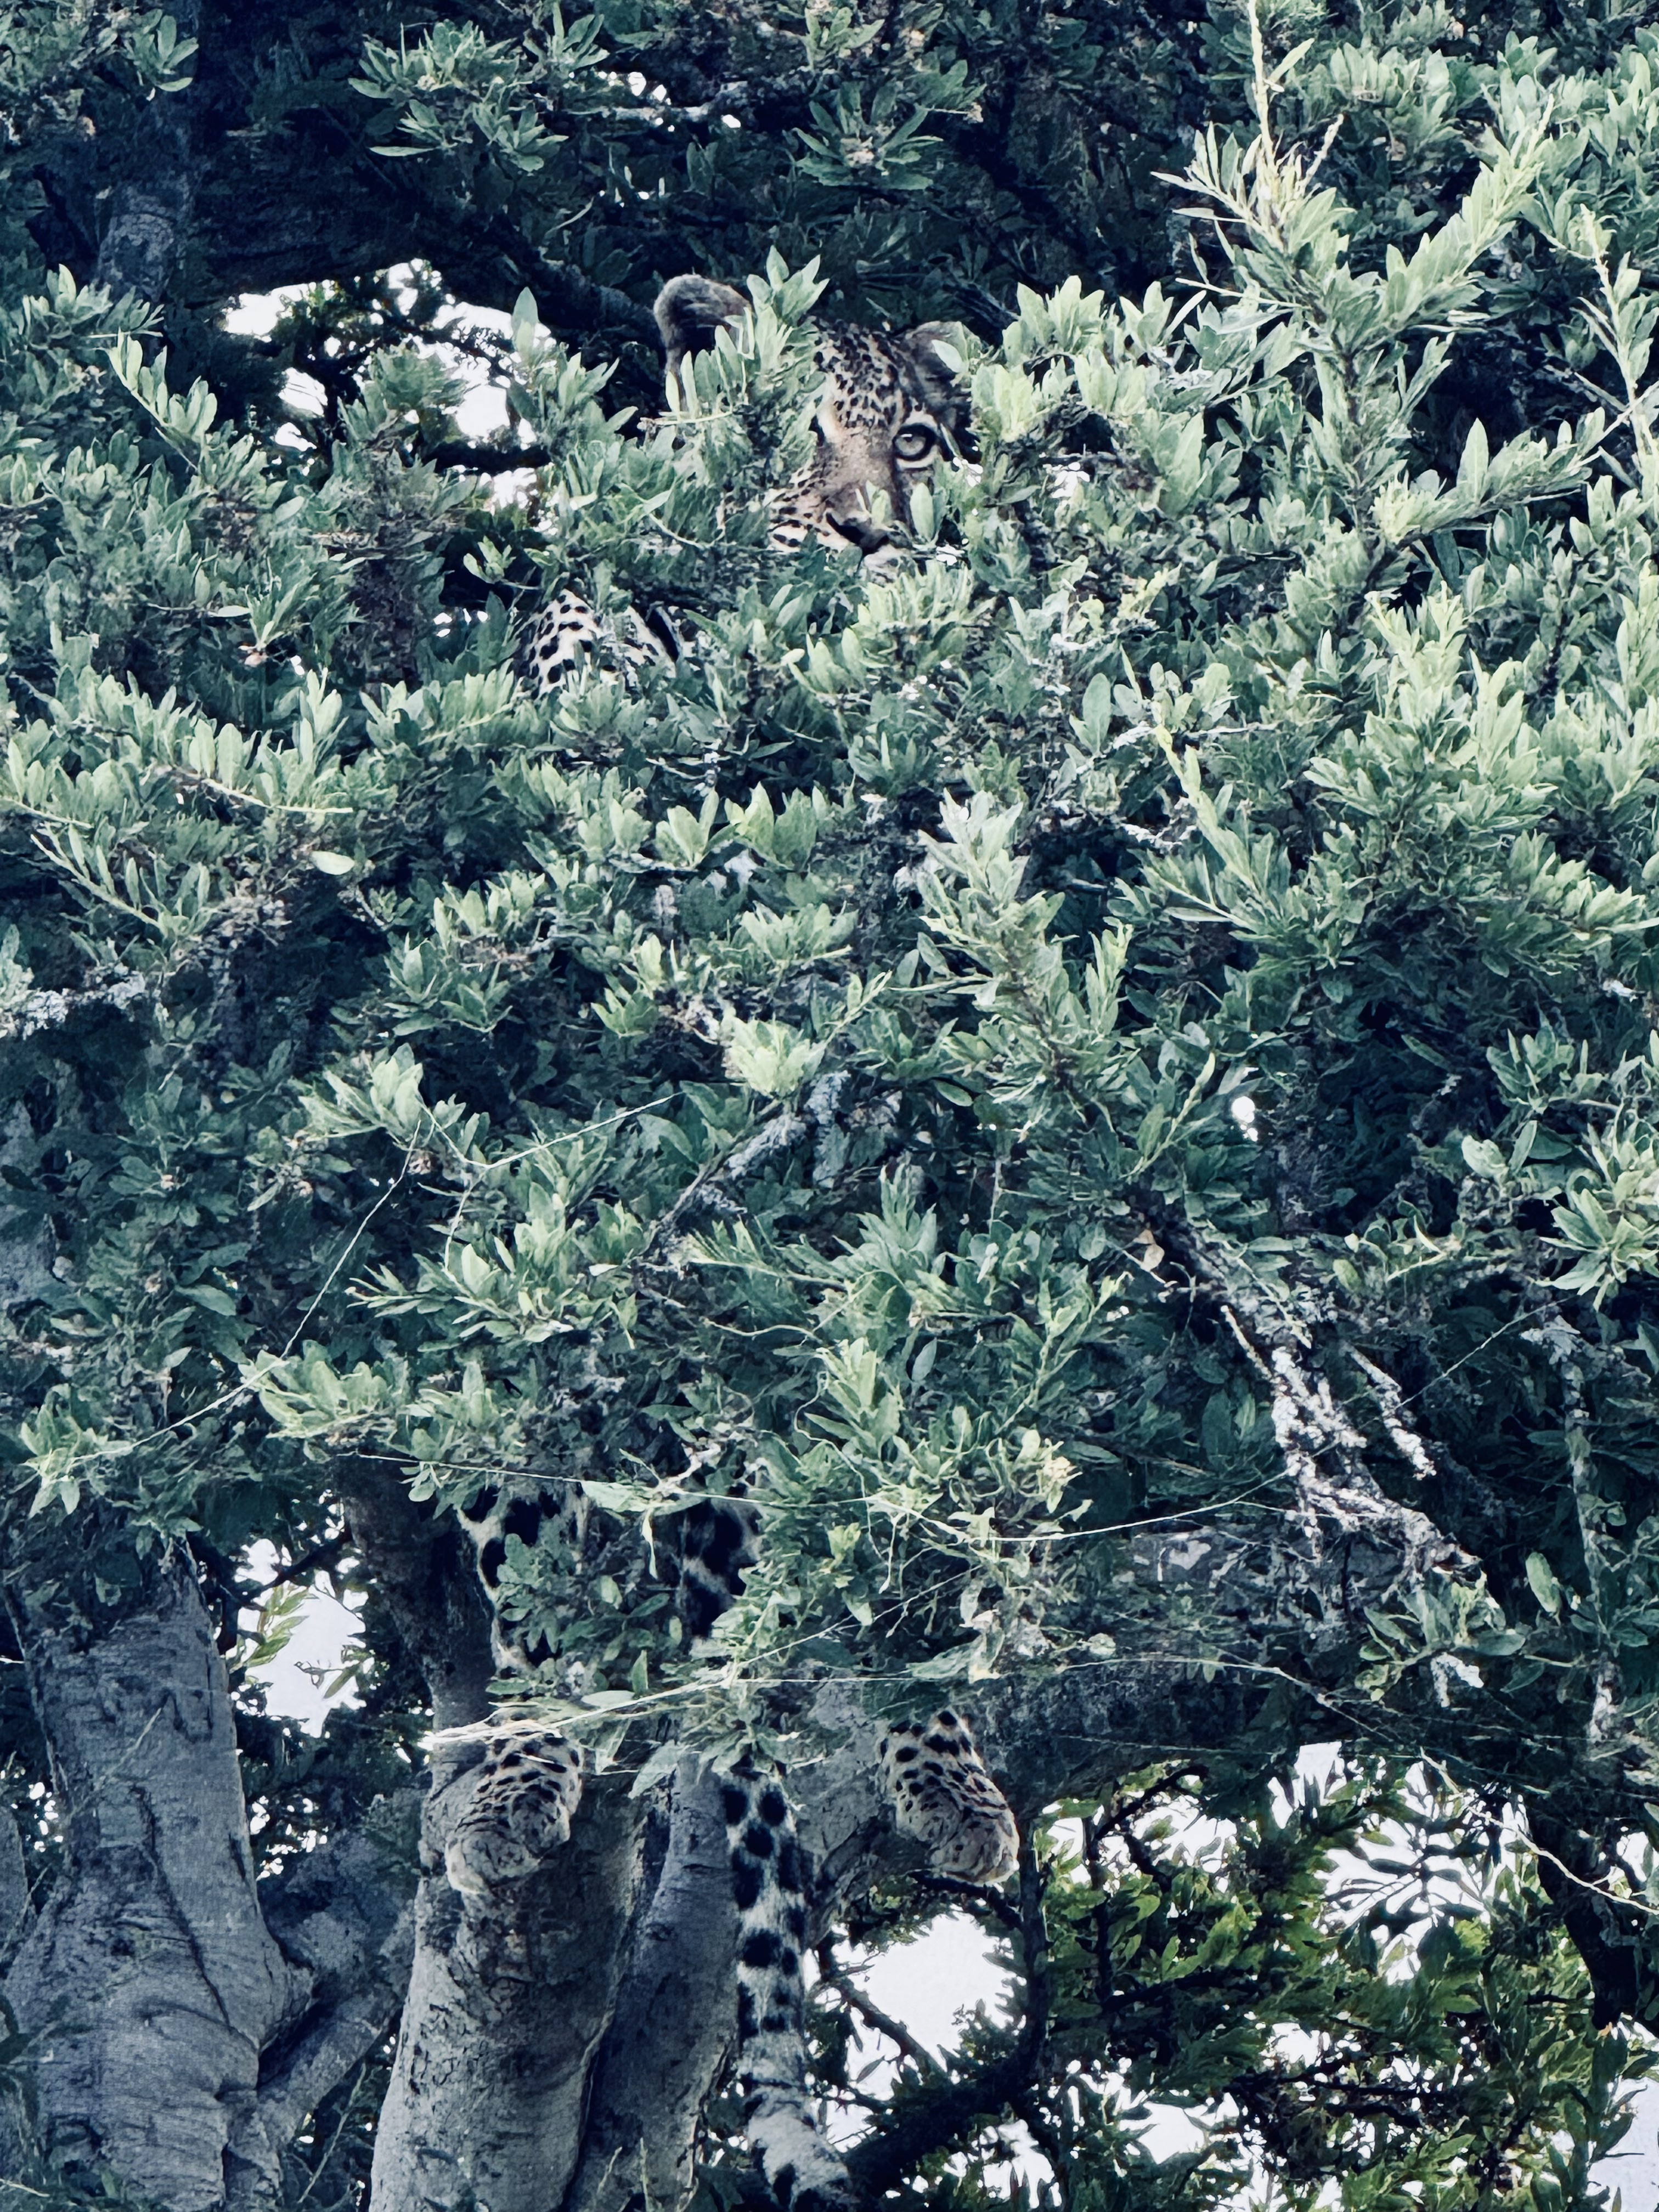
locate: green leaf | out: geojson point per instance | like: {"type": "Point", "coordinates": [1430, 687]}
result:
{"type": "Point", "coordinates": [1545, 1588]}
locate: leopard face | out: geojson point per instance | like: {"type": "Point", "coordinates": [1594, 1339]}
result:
{"type": "Point", "coordinates": [888, 412]}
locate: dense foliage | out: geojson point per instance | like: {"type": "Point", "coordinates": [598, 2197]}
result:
{"type": "Point", "coordinates": [1342, 1982]}
{"type": "Point", "coordinates": [1103, 1069]}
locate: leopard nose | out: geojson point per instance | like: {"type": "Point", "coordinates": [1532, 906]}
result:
{"type": "Point", "coordinates": [861, 530]}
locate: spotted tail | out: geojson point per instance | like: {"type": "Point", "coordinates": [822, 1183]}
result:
{"type": "Point", "coordinates": [769, 1884]}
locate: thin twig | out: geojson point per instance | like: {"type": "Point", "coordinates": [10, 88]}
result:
{"type": "Point", "coordinates": [894, 2030]}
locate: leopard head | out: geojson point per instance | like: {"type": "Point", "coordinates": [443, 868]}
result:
{"type": "Point", "coordinates": [888, 410]}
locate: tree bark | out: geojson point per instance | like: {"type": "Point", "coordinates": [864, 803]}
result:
{"type": "Point", "coordinates": [348, 1933]}
{"type": "Point", "coordinates": [1612, 1935]}
{"type": "Point", "coordinates": [673, 2029]}
{"type": "Point", "coordinates": [179, 2041]}
{"type": "Point", "coordinates": [16, 1913]}
{"type": "Point", "coordinates": [147, 214]}
{"type": "Point", "coordinates": [424, 1569]}
{"type": "Point", "coordinates": [151, 1975]}
{"type": "Point", "coordinates": [509, 2000]}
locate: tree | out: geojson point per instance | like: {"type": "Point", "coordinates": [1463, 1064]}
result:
{"type": "Point", "coordinates": [1104, 1071]}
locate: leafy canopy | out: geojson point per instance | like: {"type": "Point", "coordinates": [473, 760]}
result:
{"type": "Point", "coordinates": [1104, 1071]}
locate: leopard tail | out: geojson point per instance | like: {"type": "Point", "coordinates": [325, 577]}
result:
{"type": "Point", "coordinates": [770, 1888]}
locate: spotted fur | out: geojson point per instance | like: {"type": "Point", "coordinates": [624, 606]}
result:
{"type": "Point", "coordinates": [770, 1888]}
{"type": "Point", "coordinates": [568, 631]}
{"type": "Point", "coordinates": [888, 412]}
{"type": "Point", "coordinates": [942, 1794]}
{"type": "Point", "coordinates": [520, 1798]}
{"type": "Point", "coordinates": [512, 1809]}
{"type": "Point", "coordinates": [502, 1513]}
{"type": "Point", "coordinates": [717, 1549]}
{"type": "Point", "coordinates": [886, 416]}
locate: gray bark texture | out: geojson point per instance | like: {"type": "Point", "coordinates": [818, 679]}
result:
{"type": "Point", "coordinates": [147, 216]}
{"type": "Point", "coordinates": [348, 1936]}
{"type": "Point", "coordinates": [16, 1914]}
{"type": "Point", "coordinates": [178, 2041]}
{"type": "Point", "coordinates": [151, 1975]}
{"type": "Point", "coordinates": [432, 1590]}
{"type": "Point", "coordinates": [508, 2001]}
{"type": "Point", "coordinates": [671, 2035]}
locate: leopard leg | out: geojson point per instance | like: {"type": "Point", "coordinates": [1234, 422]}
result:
{"type": "Point", "coordinates": [568, 631]}
{"type": "Point", "coordinates": [504, 1817]}
{"type": "Point", "coordinates": [944, 1795]}
{"type": "Point", "coordinates": [718, 1543]}
{"type": "Point", "coordinates": [564, 632]}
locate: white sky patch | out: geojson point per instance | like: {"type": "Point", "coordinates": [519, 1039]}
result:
{"type": "Point", "coordinates": [480, 416]}
{"type": "Point", "coordinates": [303, 393]}
{"type": "Point", "coordinates": [932, 1985]}
{"type": "Point", "coordinates": [296, 1682]}
{"type": "Point", "coordinates": [942, 1974]}
{"type": "Point", "coordinates": [1633, 2168]}
{"type": "Point", "coordinates": [255, 314]}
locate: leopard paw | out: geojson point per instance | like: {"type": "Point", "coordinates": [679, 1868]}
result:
{"type": "Point", "coordinates": [509, 1814]}
{"type": "Point", "coordinates": [942, 1794]}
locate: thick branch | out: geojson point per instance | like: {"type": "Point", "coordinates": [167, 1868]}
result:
{"type": "Point", "coordinates": [1614, 1938]}
{"type": "Point", "coordinates": [672, 2035]}
{"type": "Point", "coordinates": [426, 1576]}
{"type": "Point", "coordinates": [16, 1913]}
{"type": "Point", "coordinates": [148, 211]}
{"type": "Point", "coordinates": [150, 1964]}
{"type": "Point", "coordinates": [349, 1936]}
{"type": "Point", "coordinates": [509, 1998]}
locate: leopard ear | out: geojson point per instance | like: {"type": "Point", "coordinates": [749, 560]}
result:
{"type": "Point", "coordinates": [936, 350]}
{"type": "Point", "coordinates": [690, 313]}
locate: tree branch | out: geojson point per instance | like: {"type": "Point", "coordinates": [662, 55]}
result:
{"type": "Point", "coordinates": [349, 1936]}
{"type": "Point", "coordinates": [944, 2117]}
{"type": "Point", "coordinates": [883, 2023]}
{"type": "Point", "coordinates": [671, 2033]}
{"type": "Point", "coordinates": [1614, 1939]}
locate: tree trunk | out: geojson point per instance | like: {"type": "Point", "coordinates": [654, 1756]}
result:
{"type": "Point", "coordinates": [509, 2000]}
{"type": "Point", "coordinates": [560, 2045]}
{"type": "Point", "coordinates": [179, 2042]}
{"type": "Point", "coordinates": [674, 2024]}
{"type": "Point", "coordinates": [147, 215]}
{"type": "Point", "coordinates": [150, 1976]}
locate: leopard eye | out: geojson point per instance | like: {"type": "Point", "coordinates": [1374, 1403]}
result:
{"type": "Point", "coordinates": [914, 442]}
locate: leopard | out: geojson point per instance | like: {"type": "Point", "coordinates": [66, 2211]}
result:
{"type": "Point", "coordinates": [510, 1810]}
{"type": "Point", "coordinates": [889, 411]}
